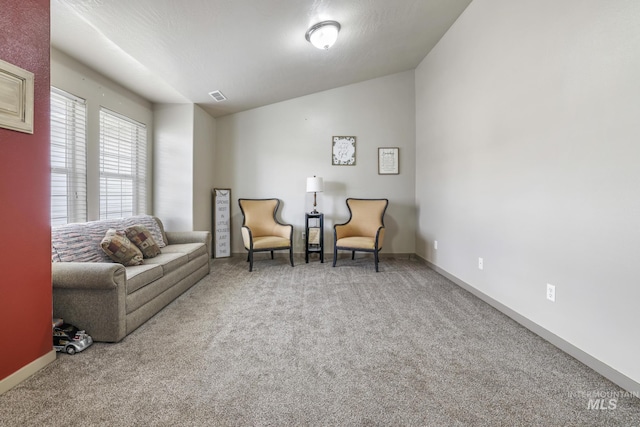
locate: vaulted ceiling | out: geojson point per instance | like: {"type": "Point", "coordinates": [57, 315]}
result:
{"type": "Point", "coordinates": [253, 51]}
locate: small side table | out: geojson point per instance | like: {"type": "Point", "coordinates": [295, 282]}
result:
{"type": "Point", "coordinates": [314, 232]}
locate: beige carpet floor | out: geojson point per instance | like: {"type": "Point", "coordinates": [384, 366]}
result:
{"type": "Point", "coordinates": [320, 346]}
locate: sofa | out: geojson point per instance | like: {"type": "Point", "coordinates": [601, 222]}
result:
{"type": "Point", "coordinates": [110, 300]}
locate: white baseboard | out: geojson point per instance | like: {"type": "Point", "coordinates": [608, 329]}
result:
{"type": "Point", "coordinates": [22, 374]}
{"type": "Point", "coordinates": [602, 368]}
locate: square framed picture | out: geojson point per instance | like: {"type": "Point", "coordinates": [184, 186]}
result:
{"type": "Point", "coordinates": [388, 161]}
{"type": "Point", "coordinates": [343, 151]}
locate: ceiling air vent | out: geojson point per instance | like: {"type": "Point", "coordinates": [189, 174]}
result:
{"type": "Point", "coordinates": [218, 96]}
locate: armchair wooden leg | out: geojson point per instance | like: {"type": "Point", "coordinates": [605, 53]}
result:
{"type": "Point", "coordinates": [335, 255]}
{"type": "Point", "coordinates": [291, 256]}
{"type": "Point", "coordinates": [375, 257]}
{"type": "Point", "coordinates": [271, 254]}
{"type": "Point", "coordinates": [250, 261]}
{"type": "Point", "coordinates": [353, 255]}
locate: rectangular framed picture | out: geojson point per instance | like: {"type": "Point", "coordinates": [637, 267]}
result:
{"type": "Point", "coordinates": [221, 222]}
{"type": "Point", "coordinates": [388, 161]}
{"type": "Point", "coordinates": [314, 235]}
{"type": "Point", "coordinates": [343, 151]}
{"type": "Point", "coordinates": [16, 98]}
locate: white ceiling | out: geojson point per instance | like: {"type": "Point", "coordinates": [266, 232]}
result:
{"type": "Point", "coordinates": [253, 51]}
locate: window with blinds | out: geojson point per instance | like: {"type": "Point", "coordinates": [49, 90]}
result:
{"type": "Point", "coordinates": [68, 158]}
{"type": "Point", "coordinates": [123, 166]}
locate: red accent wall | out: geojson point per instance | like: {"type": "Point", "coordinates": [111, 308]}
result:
{"type": "Point", "coordinates": [25, 234]}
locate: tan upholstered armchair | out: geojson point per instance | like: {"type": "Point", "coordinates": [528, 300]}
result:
{"type": "Point", "coordinates": [364, 231]}
{"type": "Point", "coordinates": [261, 231]}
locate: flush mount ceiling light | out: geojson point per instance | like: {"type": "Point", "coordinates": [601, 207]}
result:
{"type": "Point", "coordinates": [323, 34]}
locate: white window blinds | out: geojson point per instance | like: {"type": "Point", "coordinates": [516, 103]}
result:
{"type": "Point", "coordinates": [68, 158]}
{"type": "Point", "coordinates": [123, 166]}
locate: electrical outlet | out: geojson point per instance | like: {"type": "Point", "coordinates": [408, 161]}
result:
{"type": "Point", "coordinates": [304, 235]}
{"type": "Point", "coordinates": [551, 292]}
{"type": "Point", "coordinates": [480, 264]}
{"type": "Point", "coordinates": [435, 244]}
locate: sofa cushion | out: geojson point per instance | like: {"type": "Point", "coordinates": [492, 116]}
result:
{"type": "Point", "coordinates": [193, 250]}
{"type": "Point", "coordinates": [139, 276]}
{"type": "Point", "coordinates": [120, 249]}
{"type": "Point", "coordinates": [81, 241]}
{"type": "Point", "coordinates": [168, 261]}
{"type": "Point", "coordinates": [142, 238]}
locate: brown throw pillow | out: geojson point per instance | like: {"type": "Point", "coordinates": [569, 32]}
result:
{"type": "Point", "coordinates": [142, 238]}
{"type": "Point", "coordinates": [120, 249]}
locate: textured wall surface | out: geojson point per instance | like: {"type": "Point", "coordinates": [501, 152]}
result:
{"type": "Point", "coordinates": [25, 252]}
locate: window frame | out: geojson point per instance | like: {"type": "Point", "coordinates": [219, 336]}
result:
{"type": "Point", "coordinates": [122, 165]}
{"type": "Point", "coordinates": [68, 157]}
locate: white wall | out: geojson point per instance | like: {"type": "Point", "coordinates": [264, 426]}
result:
{"type": "Point", "coordinates": [73, 77]}
{"type": "Point", "coordinates": [270, 151]}
{"type": "Point", "coordinates": [184, 173]}
{"type": "Point", "coordinates": [203, 168]}
{"type": "Point", "coordinates": [527, 141]}
{"type": "Point", "coordinates": [173, 158]}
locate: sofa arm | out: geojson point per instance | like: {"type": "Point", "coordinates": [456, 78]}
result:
{"type": "Point", "coordinates": [91, 296]}
{"type": "Point", "coordinates": [177, 237]}
{"type": "Point", "coordinates": [87, 275]}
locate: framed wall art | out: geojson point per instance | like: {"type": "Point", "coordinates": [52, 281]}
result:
{"type": "Point", "coordinates": [221, 222]}
{"type": "Point", "coordinates": [16, 98]}
{"type": "Point", "coordinates": [343, 151]}
{"type": "Point", "coordinates": [388, 162]}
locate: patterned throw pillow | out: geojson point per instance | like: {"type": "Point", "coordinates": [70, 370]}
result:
{"type": "Point", "coordinates": [142, 238]}
{"type": "Point", "coordinates": [120, 249]}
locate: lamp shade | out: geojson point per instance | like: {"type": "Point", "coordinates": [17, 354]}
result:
{"type": "Point", "coordinates": [315, 184]}
{"type": "Point", "coordinates": [323, 34]}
